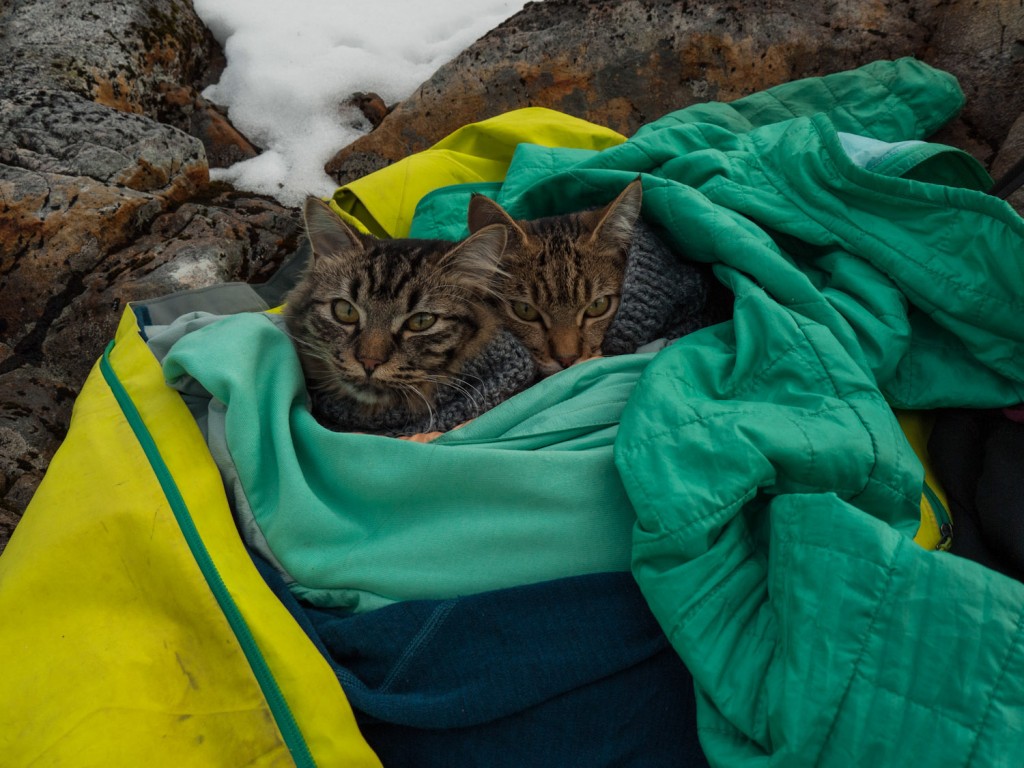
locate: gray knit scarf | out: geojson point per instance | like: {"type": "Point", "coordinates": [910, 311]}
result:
{"type": "Point", "coordinates": [663, 296]}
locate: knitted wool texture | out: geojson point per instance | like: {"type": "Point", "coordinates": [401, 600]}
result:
{"type": "Point", "coordinates": [663, 296]}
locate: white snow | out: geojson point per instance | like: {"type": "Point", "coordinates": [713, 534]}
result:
{"type": "Point", "coordinates": [292, 64]}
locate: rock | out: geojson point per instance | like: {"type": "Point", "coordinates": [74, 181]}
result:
{"type": "Point", "coordinates": [371, 105]}
{"type": "Point", "coordinates": [77, 181]}
{"type": "Point", "coordinates": [149, 57]}
{"type": "Point", "coordinates": [622, 64]}
{"type": "Point", "coordinates": [224, 144]}
{"type": "Point", "coordinates": [60, 133]}
{"type": "Point", "coordinates": [105, 198]}
{"type": "Point", "coordinates": [982, 44]}
{"type": "Point", "coordinates": [34, 413]}
{"type": "Point", "coordinates": [227, 237]}
{"type": "Point", "coordinates": [1011, 153]}
{"type": "Point", "coordinates": [123, 54]}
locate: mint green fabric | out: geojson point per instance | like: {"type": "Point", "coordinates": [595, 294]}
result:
{"type": "Point", "coordinates": [527, 492]}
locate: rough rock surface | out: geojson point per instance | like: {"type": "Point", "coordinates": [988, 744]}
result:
{"type": "Point", "coordinates": [105, 198]}
{"type": "Point", "coordinates": [622, 63]}
{"type": "Point", "coordinates": [106, 144]}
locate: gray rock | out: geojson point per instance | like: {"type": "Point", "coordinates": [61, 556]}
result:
{"type": "Point", "coordinates": [34, 413]}
{"type": "Point", "coordinates": [123, 54]}
{"type": "Point", "coordinates": [101, 203]}
{"type": "Point", "coordinates": [61, 133]}
{"type": "Point", "coordinates": [622, 64]}
{"type": "Point", "coordinates": [1011, 151]}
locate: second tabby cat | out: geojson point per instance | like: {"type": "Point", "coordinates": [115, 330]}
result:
{"type": "Point", "coordinates": [563, 275]}
{"type": "Point", "coordinates": [592, 283]}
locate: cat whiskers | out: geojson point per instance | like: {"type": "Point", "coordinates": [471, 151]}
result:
{"type": "Point", "coordinates": [458, 384]}
{"type": "Point", "coordinates": [330, 375]}
{"type": "Point", "coordinates": [405, 389]}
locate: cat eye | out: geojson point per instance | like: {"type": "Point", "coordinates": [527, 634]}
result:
{"type": "Point", "coordinates": [344, 312]}
{"type": "Point", "coordinates": [525, 311]}
{"type": "Point", "coordinates": [420, 321]}
{"type": "Point", "coordinates": [598, 307]}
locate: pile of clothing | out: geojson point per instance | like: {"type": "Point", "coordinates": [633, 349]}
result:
{"type": "Point", "coordinates": [715, 551]}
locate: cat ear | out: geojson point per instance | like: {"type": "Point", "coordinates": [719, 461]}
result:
{"type": "Point", "coordinates": [328, 234]}
{"type": "Point", "coordinates": [483, 212]}
{"type": "Point", "coordinates": [615, 222]}
{"type": "Point", "coordinates": [474, 261]}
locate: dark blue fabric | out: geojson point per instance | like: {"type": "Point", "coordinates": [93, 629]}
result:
{"type": "Point", "coordinates": [573, 672]}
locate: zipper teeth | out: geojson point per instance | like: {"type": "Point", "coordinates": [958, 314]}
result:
{"type": "Point", "coordinates": [942, 517]}
{"type": "Point", "coordinates": [282, 713]}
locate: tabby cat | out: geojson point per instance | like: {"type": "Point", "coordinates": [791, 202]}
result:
{"type": "Point", "coordinates": [563, 275]}
{"type": "Point", "coordinates": [383, 326]}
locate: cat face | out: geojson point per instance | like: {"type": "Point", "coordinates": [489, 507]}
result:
{"type": "Point", "coordinates": [385, 323]}
{"type": "Point", "coordinates": [562, 275]}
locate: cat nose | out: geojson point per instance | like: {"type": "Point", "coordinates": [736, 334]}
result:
{"type": "Point", "coordinates": [369, 363]}
{"type": "Point", "coordinates": [566, 360]}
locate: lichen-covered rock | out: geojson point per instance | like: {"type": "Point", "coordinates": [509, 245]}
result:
{"type": "Point", "coordinates": [227, 237]}
{"type": "Point", "coordinates": [123, 54]}
{"type": "Point", "coordinates": [625, 63]}
{"type": "Point", "coordinates": [61, 133]}
{"type": "Point", "coordinates": [149, 57]}
{"type": "Point", "coordinates": [55, 230]}
{"type": "Point", "coordinates": [104, 198]}
{"type": "Point", "coordinates": [34, 413]}
{"type": "Point", "coordinates": [77, 182]}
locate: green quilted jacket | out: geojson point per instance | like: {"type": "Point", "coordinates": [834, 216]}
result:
{"type": "Point", "coordinates": [775, 494]}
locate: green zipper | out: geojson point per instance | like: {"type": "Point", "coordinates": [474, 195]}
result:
{"type": "Point", "coordinates": [264, 677]}
{"type": "Point", "coordinates": [942, 517]}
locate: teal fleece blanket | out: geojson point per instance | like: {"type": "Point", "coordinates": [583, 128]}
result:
{"type": "Point", "coordinates": [769, 494]}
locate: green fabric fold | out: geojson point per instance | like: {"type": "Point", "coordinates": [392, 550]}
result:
{"type": "Point", "coordinates": [525, 493]}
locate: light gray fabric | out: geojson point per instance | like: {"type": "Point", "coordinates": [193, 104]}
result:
{"type": "Point", "coordinates": [220, 299]}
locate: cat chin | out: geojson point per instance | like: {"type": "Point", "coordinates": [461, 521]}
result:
{"type": "Point", "coordinates": [549, 367]}
{"type": "Point", "coordinates": [367, 394]}
{"type": "Point", "coordinates": [379, 397]}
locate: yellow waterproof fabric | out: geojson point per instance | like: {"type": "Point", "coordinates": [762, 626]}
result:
{"type": "Point", "coordinates": [917, 426]}
{"type": "Point", "coordinates": [383, 202]}
{"type": "Point", "coordinates": [116, 642]}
